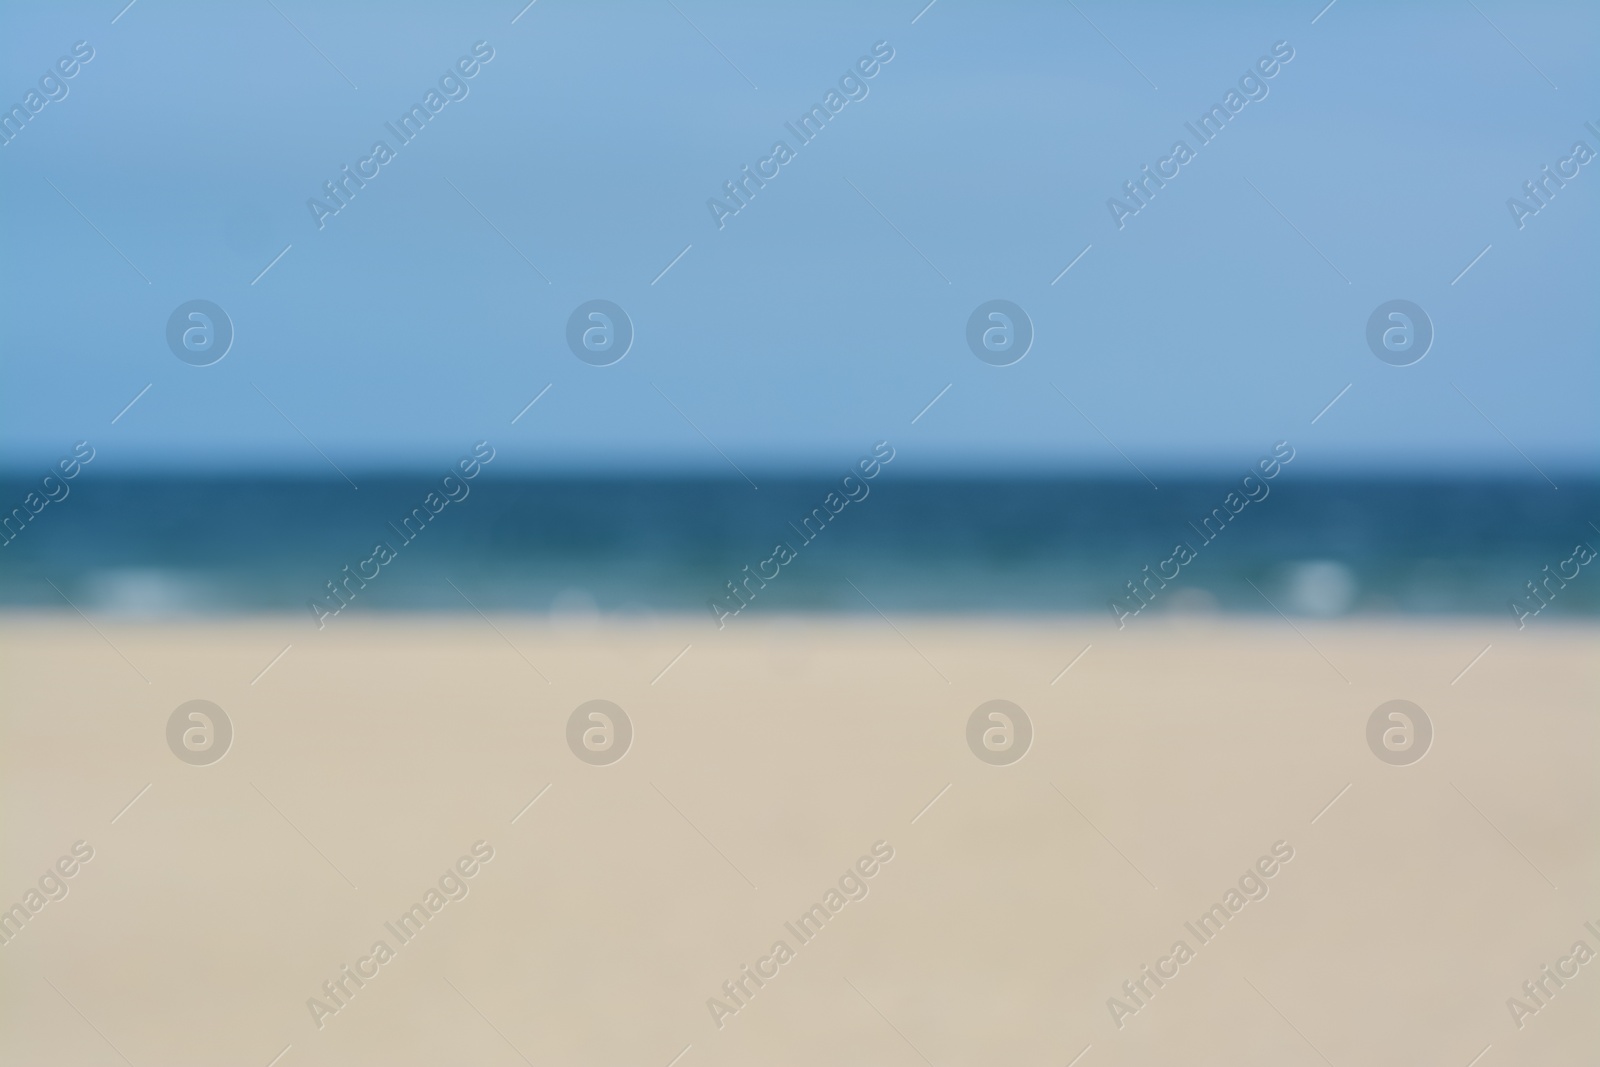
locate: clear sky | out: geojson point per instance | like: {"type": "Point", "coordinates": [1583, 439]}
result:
{"type": "Point", "coordinates": [825, 314]}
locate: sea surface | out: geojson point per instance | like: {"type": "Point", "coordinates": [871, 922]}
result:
{"type": "Point", "coordinates": [575, 547]}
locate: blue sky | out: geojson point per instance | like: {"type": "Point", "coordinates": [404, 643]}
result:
{"type": "Point", "coordinates": [830, 310]}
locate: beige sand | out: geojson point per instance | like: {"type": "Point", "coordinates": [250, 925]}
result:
{"type": "Point", "coordinates": [1166, 762]}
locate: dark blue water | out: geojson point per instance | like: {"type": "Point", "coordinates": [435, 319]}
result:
{"type": "Point", "coordinates": [159, 546]}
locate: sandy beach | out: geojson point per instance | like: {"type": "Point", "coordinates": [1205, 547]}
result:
{"type": "Point", "coordinates": [707, 534]}
{"type": "Point", "coordinates": [970, 911]}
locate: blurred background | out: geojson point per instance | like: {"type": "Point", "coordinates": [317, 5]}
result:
{"type": "Point", "coordinates": [654, 439]}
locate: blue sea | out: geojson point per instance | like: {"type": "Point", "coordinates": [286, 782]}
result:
{"type": "Point", "coordinates": [173, 546]}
